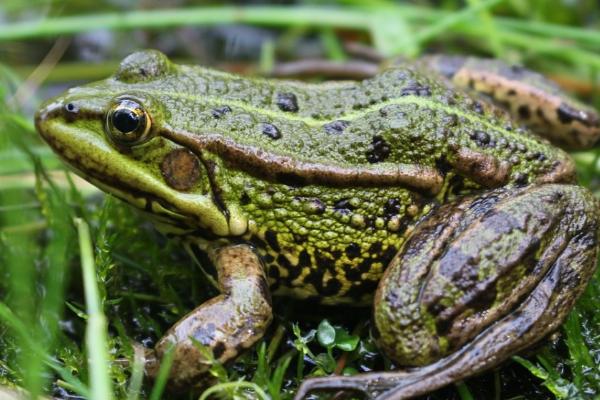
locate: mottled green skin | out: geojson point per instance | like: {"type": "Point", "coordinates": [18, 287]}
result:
{"type": "Point", "coordinates": [325, 182]}
{"type": "Point", "coordinates": [422, 130]}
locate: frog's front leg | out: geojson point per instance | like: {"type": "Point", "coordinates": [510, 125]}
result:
{"type": "Point", "coordinates": [478, 281]}
{"type": "Point", "coordinates": [226, 324]}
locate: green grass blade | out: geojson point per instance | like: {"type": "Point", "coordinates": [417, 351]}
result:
{"type": "Point", "coordinates": [100, 384]}
{"type": "Point", "coordinates": [137, 375]}
{"type": "Point", "coordinates": [163, 374]}
{"type": "Point", "coordinates": [166, 18]}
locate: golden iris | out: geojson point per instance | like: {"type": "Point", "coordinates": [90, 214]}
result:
{"type": "Point", "coordinates": [127, 122]}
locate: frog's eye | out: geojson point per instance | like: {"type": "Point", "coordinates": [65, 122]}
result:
{"type": "Point", "coordinates": [127, 122]}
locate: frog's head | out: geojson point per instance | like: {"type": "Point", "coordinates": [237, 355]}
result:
{"type": "Point", "coordinates": [112, 133]}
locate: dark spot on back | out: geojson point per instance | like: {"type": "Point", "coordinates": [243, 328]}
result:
{"type": "Point", "coordinates": [538, 155]}
{"type": "Point", "coordinates": [271, 131]}
{"type": "Point", "coordinates": [378, 151]}
{"type": "Point", "coordinates": [343, 206]}
{"type": "Point", "coordinates": [287, 102]}
{"type": "Point", "coordinates": [220, 111]}
{"type": "Point", "coordinates": [317, 206]}
{"type": "Point", "coordinates": [481, 138]}
{"type": "Point", "coordinates": [478, 107]}
{"type": "Point", "coordinates": [415, 89]}
{"type": "Point", "coordinates": [336, 127]}
{"type": "Point", "coordinates": [511, 92]}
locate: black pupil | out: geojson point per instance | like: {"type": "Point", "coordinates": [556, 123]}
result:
{"type": "Point", "coordinates": [125, 120]}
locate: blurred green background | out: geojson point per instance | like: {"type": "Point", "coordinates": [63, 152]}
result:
{"type": "Point", "coordinates": [143, 283]}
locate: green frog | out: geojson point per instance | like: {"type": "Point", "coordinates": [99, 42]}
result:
{"type": "Point", "coordinates": [433, 191]}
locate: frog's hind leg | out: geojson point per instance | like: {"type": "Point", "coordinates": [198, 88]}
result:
{"type": "Point", "coordinates": [530, 97]}
{"type": "Point", "coordinates": [477, 282]}
{"type": "Point", "coordinates": [226, 324]}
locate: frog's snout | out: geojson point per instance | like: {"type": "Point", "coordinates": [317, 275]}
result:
{"type": "Point", "coordinates": [52, 110]}
{"type": "Point", "coordinates": [47, 112]}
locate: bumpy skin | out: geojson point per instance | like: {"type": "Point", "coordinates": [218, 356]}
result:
{"type": "Point", "coordinates": [327, 183]}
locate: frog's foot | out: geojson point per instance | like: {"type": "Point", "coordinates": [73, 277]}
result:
{"type": "Point", "coordinates": [477, 282]}
{"type": "Point", "coordinates": [225, 325]}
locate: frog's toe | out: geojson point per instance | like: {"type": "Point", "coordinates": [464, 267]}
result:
{"type": "Point", "coordinates": [369, 385]}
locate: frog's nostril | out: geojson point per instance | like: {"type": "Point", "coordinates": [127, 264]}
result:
{"type": "Point", "coordinates": [71, 108]}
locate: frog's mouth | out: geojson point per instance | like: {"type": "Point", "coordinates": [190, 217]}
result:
{"type": "Point", "coordinates": [94, 158]}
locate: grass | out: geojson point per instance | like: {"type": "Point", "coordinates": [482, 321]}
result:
{"type": "Point", "coordinates": [64, 330]}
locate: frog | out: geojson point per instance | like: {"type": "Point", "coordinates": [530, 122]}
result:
{"type": "Point", "coordinates": [438, 191]}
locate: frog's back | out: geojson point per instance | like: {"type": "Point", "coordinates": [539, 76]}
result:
{"type": "Point", "coordinates": [405, 116]}
{"type": "Point", "coordinates": [332, 177]}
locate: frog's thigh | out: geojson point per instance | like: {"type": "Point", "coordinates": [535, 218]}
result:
{"type": "Point", "coordinates": [528, 96]}
{"type": "Point", "coordinates": [478, 281]}
{"type": "Point", "coordinates": [226, 324]}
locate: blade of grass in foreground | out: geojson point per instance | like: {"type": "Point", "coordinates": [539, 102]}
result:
{"type": "Point", "coordinates": [100, 384]}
